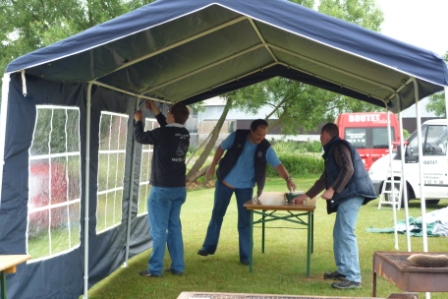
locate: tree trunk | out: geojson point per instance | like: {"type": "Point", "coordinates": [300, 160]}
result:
{"type": "Point", "coordinates": [276, 107]}
{"type": "Point", "coordinates": [198, 174]}
{"type": "Point", "coordinates": [199, 147]}
{"type": "Point", "coordinates": [192, 174]}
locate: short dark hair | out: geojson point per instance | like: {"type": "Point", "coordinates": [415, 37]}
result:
{"type": "Point", "coordinates": [180, 113]}
{"type": "Point", "coordinates": [331, 129]}
{"type": "Point", "coordinates": [258, 122]}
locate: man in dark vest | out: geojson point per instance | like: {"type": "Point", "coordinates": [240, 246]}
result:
{"type": "Point", "coordinates": [243, 165]}
{"type": "Point", "coordinates": [347, 186]}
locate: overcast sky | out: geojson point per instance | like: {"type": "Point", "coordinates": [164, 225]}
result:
{"type": "Point", "coordinates": [423, 23]}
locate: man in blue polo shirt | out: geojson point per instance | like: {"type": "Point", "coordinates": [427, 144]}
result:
{"type": "Point", "coordinates": [244, 164]}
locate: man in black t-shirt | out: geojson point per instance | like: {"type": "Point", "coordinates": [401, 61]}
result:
{"type": "Point", "coordinates": [168, 191]}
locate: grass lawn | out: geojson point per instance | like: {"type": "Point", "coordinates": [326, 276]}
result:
{"type": "Point", "coordinates": [281, 269]}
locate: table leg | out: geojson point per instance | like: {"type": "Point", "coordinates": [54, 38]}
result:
{"type": "Point", "coordinates": [312, 232]}
{"type": "Point", "coordinates": [3, 278]}
{"type": "Point", "coordinates": [251, 258]}
{"type": "Point", "coordinates": [374, 284]}
{"type": "Point", "coordinates": [263, 216]}
{"type": "Point", "coordinates": [309, 245]}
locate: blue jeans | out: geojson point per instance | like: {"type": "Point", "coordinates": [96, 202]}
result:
{"type": "Point", "coordinates": [164, 205]}
{"type": "Point", "coordinates": [223, 194]}
{"type": "Point", "coordinates": [345, 246]}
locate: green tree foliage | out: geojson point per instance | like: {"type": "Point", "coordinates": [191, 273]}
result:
{"type": "Point", "coordinates": [28, 25]}
{"type": "Point", "coordinates": [437, 101]}
{"type": "Point", "coordinates": [436, 104]}
{"type": "Point", "coordinates": [364, 13]}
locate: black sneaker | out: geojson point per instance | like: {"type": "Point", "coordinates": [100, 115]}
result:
{"type": "Point", "coordinates": [245, 262]}
{"type": "Point", "coordinates": [173, 272]}
{"type": "Point", "coordinates": [334, 275]}
{"type": "Point", "coordinates": [145, 273]}
{"type": "Point", "coordinates": [203, 252]}
{"type": "Point", "coordinates": [346, 284]}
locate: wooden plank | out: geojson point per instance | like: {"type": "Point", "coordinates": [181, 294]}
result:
{"type": "Point", "coordinates": [8, 262]}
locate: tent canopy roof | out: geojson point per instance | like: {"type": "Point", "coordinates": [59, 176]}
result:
{"type": "Point", "coordinates": [190, 50]}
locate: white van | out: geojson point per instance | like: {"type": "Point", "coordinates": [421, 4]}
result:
{"type": "Point", "coordinates": [435, 164]}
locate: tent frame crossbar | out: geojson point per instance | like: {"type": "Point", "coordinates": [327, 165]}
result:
{"type": "Point", "coordinates": [179, 43]}
{"type": "Point", "coordinates": [263, 40]}
{"type": "Point", "coordinates": [127, 92]}
{"type": "Point", "coordinates": [269, 48]}
{"type": "Point", "coordinates": [264, 44]}
{"type": "Point", "coordinates": [209, 66]}
{"type": "Point", "coordinates": [333, 69]}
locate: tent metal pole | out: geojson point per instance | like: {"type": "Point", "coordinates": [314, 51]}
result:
{"type": "Point", "coordinates": [392, 179]}
{"type": "Point", "coordinates": [87, 189]}
{"type": "Point", "coordinates": [131, 196]}
{"type": "Point", "coordinates": [126, 92]}
{"type": "Point", "coordinates": [333, 68]}
{"type": "Point", "coordinates": [181, 42]}
{"type": "Point", "coordinates": [208, 66]}
{"type": "Point", "coordinates": [3, 119]}
{"type": "Point", "coordinates": [420, 166]}
{"type": "Point", "coordinates": [403, 176]}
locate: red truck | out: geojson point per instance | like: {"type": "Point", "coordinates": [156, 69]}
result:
{"type": "Point", "coordinates": [367, 131]}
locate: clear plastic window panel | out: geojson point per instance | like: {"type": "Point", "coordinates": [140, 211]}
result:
{"type": "Point", "coordinates": [145, 170]}
{"type": "Point", "coordinates": [54, 183]}
{"type": "Point", "coordinates": [111, 168]}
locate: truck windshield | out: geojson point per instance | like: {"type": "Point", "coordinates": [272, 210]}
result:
{"type": "Point", "coordinates": [434, 143]}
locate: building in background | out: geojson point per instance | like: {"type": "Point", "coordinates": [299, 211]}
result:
{"type": "Point", "coordinates": [409, 116]}
{"type": "Point", "coordinates": [201, 123]}
{"type": "Point", "coordinates": [238, 119]}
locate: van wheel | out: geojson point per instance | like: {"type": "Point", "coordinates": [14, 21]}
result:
{"type": "Point", "coordinates": [432, 201]}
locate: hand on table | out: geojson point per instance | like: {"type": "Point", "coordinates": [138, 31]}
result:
{"type": "Point", "coordinates": [299, 199]}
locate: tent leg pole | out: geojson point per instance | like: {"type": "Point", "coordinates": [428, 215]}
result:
{"type": "Point", "coordinates": [3, 119]}
{"type": "Point", "coordinates": [392, 179]}
{"type": "Point", "coordinates": [420, 165]}
{"type": "Point", "coordinates": [131, 195]}
{"type": "Point", "coordinates": [87, 189]}
{"type": "Point", "coordinates": [403, 177]}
